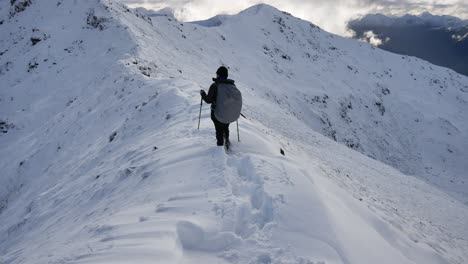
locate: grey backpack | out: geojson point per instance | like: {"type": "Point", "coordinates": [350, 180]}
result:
{"type": "Point", "coordinates": [228, 103]}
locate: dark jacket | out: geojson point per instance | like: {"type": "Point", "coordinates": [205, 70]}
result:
{"type": "Point", "coordinates": [210, 98]}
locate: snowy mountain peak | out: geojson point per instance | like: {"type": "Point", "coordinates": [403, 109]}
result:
{"type": "Point", "coordinates": [260, 8]}
{"type": "Point", "coordinates": [256, 11]}
{"type": "Point", "coordinates": [215, 21]}
{"type": "Point", "coordinates": [167, 12]}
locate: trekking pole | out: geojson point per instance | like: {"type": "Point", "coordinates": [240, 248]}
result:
{"type": "Point", "coordinates": [199, 116]}
{"type": "Point", "coordinates": [238, 137]}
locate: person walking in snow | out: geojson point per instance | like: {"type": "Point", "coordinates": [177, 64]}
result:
{"type": "Point", "coordinates": [226, 104]}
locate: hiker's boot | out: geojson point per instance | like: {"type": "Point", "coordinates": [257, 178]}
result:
{"type": "Point", "coordinates": [227, 145]}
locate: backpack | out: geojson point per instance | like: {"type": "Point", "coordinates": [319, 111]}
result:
{"type": "Point", "coordinates": [228, 103]}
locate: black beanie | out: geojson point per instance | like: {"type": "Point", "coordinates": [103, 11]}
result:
{"type": "Point", "coordinates": [222, 71]}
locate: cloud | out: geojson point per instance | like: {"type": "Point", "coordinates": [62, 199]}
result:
{"type": "Point", "coordinates": [332, 15]}
{"type": "Point", "coordinates": [373, 39]}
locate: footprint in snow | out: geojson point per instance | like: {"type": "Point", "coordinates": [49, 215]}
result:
{"type": "Point", "coordinates": [194, 237]}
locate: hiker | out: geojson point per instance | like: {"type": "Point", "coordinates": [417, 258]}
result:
{"type": "Point", "coordinates": [226, 103]}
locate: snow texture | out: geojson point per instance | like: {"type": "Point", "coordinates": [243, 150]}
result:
{"type": "Point", "coordinates": [101, 160]}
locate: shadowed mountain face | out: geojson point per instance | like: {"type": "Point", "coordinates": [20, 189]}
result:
{"type": "Point", "coordinates": [441, 40]}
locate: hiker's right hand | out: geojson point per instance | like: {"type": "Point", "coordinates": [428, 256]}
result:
{"type": "Point", "coordinates": [202, 93]}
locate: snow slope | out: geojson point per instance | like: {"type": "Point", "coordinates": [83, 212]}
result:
{"type": "Point", "coordinates": [102, 163]}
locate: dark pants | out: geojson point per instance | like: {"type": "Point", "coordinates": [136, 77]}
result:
{"type": "Point", "coordinates": [222, 130]}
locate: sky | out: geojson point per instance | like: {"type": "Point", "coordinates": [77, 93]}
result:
{"type": "Point", "coordinates": [331, 15]}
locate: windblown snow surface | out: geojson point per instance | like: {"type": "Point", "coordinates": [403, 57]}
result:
{"type": "Point", "coordinates": [101, 160]}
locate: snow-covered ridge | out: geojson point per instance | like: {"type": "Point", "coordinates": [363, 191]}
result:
{"type": "Point", "coordinates": [167, 11]}
{"type": "Point", "coordinates": [376, 111]}
{"type": "Point", "coordinates": [212, 22]}
{"type": "Point", "coordinates": [102, 162]}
